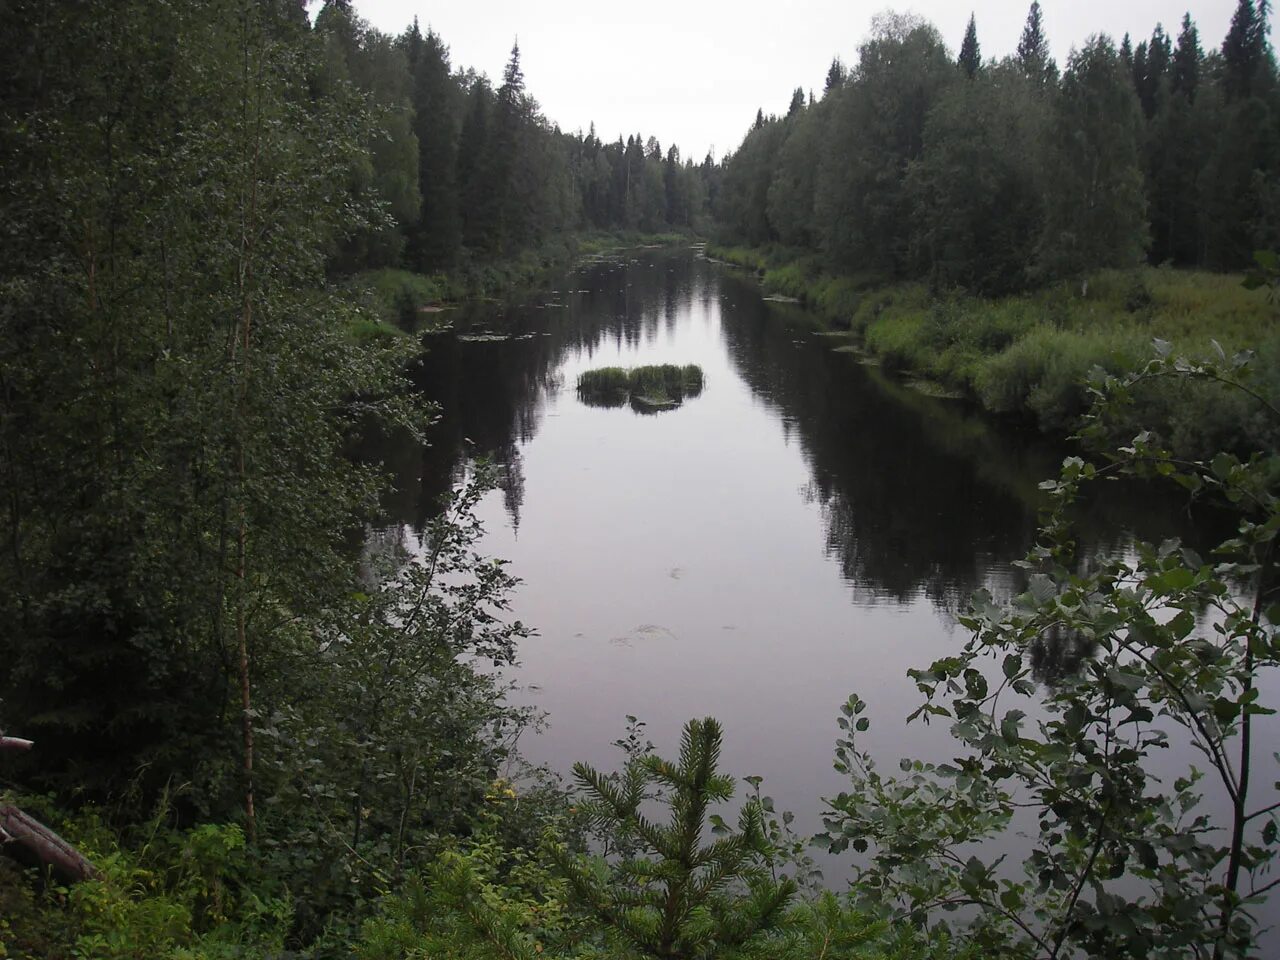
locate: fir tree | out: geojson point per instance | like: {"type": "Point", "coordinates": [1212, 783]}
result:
{"type": "Point", "coordinates": [970, 60]}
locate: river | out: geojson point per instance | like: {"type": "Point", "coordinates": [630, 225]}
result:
{"type": "Point", "coordinates": [806, 528]}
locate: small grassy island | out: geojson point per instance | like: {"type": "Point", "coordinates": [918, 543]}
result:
{"type": "Point", "coordinates": [649, 389]}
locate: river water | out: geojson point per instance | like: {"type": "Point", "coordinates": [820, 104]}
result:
{"type": "Point", "coordinates": [806, 528]}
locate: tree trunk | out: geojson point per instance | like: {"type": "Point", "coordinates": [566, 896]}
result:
{"type": "Point", "coordinates": [34, 844]}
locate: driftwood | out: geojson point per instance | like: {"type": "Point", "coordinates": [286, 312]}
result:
{"type": "Point", "coordinates": [29, 841]}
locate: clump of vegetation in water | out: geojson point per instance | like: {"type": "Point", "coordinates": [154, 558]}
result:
{"type": "Point", "coordinates": [649, 389]}
{"type": "Point", "coordinates": [606, 387]}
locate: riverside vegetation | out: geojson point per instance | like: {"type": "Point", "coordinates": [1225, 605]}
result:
{"type": "Point", "coordinates": [269, 747]}
{"type": "Point", "coordinates": [995, 224]}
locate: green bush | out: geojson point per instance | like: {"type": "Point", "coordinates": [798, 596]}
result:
{"type": "Point", "coordinates": [193, 895]}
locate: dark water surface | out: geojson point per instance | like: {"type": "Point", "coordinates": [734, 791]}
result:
{"type": "Point", "coordinates": [805, 529]}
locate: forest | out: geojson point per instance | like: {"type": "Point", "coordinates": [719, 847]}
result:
{"type": "Point", "coordinates": [1004, 225]}
{"type": "Point", "coordinates": [227, 730]}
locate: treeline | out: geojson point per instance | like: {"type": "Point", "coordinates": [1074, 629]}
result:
{"type": "Point", "coordinates": [470, 172]}
{"type": "Point", "coordinates": [998, 175]}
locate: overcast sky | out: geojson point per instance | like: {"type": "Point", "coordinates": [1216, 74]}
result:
{"type": "Point", "coordinates": [693, 72]}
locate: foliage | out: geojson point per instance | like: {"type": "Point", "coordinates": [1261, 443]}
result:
{"type": "Point", "coordinates": [191, 895]}
{"type": "Point", "coordinates": [1159, 647]}
{"type": "Point", "coordinates": [391, 745]}
{"type": "Point", "coordinates": [397, 296]}
{"type": "Point", "coordinates": [676, 897]}
{"type": "Point", "coordinates": [998, 177]}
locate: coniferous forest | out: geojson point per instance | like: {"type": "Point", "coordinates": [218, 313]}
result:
{"type": "Point", "coordinates": [229, 729]}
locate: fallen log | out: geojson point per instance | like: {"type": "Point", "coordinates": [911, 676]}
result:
{"type": "Point", "coordinates": [30, 842]}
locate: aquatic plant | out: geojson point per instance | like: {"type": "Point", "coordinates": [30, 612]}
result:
{"type": "Point", "coordinates": [606, 387]}
{"type": "Point", "coordinates": [649, 389]}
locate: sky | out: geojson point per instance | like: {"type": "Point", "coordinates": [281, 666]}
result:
{"type": "Point", "coordinates": [694, 72]}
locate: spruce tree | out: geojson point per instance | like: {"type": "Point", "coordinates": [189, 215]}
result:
{"type": "Point", "coordinates": [676, 898]}
{"type": "Point", "coordinates": [836, 75]}
{"type": "Point", "coordinates": [797, 102]}
{"type": "Point", "coordinates": [437, 237]}
{"type": "Point", "coordinates": [1241, 51]}
{"type": "Point", "coordinates": [1033, 48]}
{"type": "Point", "coordinates": [970, 60]}
{"type": "Point", "coordinates": [1186, 60]}
{"type": "Point", "coordinates": [1159, 54]}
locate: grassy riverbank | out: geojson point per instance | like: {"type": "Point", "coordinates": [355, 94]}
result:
{"type": "Point", "coordinates": [1028, 355]}
{"type": "Point", "coordinates": [397, 296]}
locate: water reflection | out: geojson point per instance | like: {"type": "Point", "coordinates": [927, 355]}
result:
{"type": "Point", "coordinates": [918, 496]}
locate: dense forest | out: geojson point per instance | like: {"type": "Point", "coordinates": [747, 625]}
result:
{"type": "Point", "coordinates": [255, 738]}
{"type": "Point", "coordinates": [466, 170]}
{"type": "Point", "coordinates": [996, 175]}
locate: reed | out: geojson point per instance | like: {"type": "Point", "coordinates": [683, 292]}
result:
{"type": "Point", "coordinates": [648, 388]}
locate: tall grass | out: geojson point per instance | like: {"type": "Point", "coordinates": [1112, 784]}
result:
{"type": "Point", "coordinates": [605, 387]}
{"type": "Point", "coordinates": [649, 387]}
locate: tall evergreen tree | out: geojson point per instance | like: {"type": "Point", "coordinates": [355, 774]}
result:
{"type": "Point", "coordinates": [836, 76]}
{"type": "Point", "coordinates": [478, 208]}
{"type": "Point", "coordinates": [1033, 47]}
{"type": "Point", "coordinates": [970, 59]}
{"type": "Point", "coordinates": [1186, 60]}
{"type": "Point", "coordinates": [1150, 82]}
{"type": "Point", "coordinates": [1245, 49]}
{"type": "Point", "coordinates": [797, 102]}
{"type": "Point", "coordinates": [437, 237]}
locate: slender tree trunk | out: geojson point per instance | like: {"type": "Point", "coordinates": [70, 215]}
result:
{"type": "Point", "coordinates": [248, 229]}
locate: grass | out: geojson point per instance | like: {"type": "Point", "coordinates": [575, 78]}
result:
{"type": "Point", "coordinates": [595, 243]}
{"type": "Point", "coordinates": [648, 388]}
{"type": "Point", "coordinates": [1027, 355]}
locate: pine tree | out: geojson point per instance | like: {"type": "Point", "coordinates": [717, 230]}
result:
{"type": "Point", "coordinates": [1033, 48]}
{"type": "Point", "coordinates": [678, 899]}
{"type": "Point", "coordinates": [970, 60]}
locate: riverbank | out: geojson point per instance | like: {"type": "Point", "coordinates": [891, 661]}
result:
{"type": "Point", "coordinates": [1028, 355]}
{"type": "Point", "coordinates": [400, 298]}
